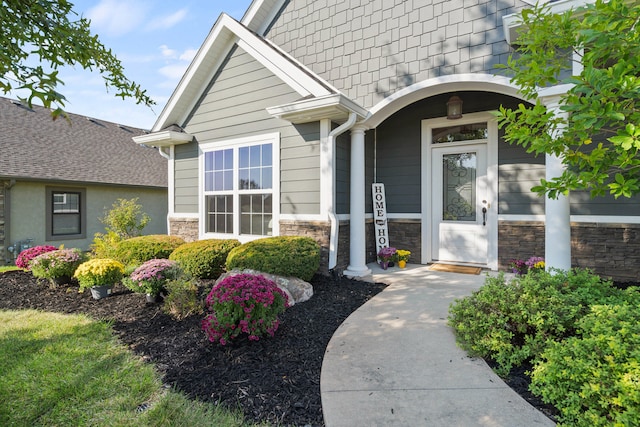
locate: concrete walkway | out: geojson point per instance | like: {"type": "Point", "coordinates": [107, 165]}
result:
{"type": "Point", "coordinates": [394, 362]}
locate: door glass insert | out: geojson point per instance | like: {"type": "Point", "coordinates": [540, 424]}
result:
{"type": "Point", "coordinates": [468, 132]}
{"type": "Point", "coordinates": [459, 178]}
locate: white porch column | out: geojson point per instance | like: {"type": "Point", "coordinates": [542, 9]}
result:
{"type": "Point", "coordinates": [557, 230]}
{"type": "Point", "coordinates": [357, 237]}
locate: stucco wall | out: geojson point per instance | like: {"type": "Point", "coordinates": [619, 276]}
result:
{"type": "Point", "coordinates": [28, 211]}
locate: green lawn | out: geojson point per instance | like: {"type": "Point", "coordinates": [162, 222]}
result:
{"type": "Point", "coordinates": [59, 370]}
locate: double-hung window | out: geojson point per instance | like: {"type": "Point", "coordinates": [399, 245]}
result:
{"type": "Point", "coordinates": [240, 187]}
{"type": "Point", "coordinates": [65, 213]}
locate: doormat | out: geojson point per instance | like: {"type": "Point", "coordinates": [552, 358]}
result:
{"type": "Point", "coordinates": [461, 269]}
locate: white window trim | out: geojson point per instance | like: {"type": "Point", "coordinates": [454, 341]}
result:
{"type": "Point", "coordinates": [270, 138]}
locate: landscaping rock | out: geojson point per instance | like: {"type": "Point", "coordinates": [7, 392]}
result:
{"type": "Point", "coordinates": [297, 290]}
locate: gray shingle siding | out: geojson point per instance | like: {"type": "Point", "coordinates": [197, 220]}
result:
{"type": "Point", "coordinates": [371, 49]}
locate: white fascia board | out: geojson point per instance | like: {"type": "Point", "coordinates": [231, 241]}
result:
{"type": "Point", "coordinates": [225, 33]}
{"type": "Point", "coordinates": [551, 93]}
{"type": "Point", "coordinates": [336, 107]}
{"type": "Point", "coordinates": [198, 75]}
{"type": "Point", "coordinates": [260, 14]}
{"type": "Point", "coordinates": [163, 138]}
{"type": "Point", "coordinates": [512, 23]}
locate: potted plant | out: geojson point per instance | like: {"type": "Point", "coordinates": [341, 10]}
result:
{"type": "Point", "coordinates": [25, 257]}
{"type": "Point", "coordinates": [99, 275]}
{"type": "Point", "coordinates": [243, 304]}
{"type": "Point", "coordinates": [385, 256]}
{"type": "Point", "coordinates": [56, 266]}
{"type": "Point", "coordinates": [521, 267]}
{"type": "Point", "coordinates": [403, 257]}
{"type": "Point", "coordinates": [151, 277]}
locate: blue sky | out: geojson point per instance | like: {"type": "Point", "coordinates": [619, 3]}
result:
{"type": "Point", "coordinates": [154, 39]}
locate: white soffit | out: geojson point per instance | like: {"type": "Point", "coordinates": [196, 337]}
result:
{"type": "Point", "coordinates": [260, 14]}
{"type": "Point", "coordinates": [335, 107]}
{"type": "Point", "coordinates": [165, 138]}
{"type": "Point", "coordinates": [225, 33]}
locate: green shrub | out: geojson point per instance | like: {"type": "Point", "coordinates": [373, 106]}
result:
{"type": "Point", "coordinates": [125, 218]}
{"type": "Point", "coordinates": [593, 379]}
{"type": "Point", "coordinates": [204, 259]}
{"type": "Point", "coordinates": [513, 322]}
{"type": "Point", "coordinates": [284, 255]}
{"type": "Point", "coordinates": [137, 250]}
{"type": "Point", "coordinates": [182, 299]}
{"type": "Point", "coordinates": [105, 245]}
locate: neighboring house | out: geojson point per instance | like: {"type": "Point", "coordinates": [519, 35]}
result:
{"type": "Point", "coordinates": [57, 178]}
{"type": "Point", "coordinates": [284, 120]}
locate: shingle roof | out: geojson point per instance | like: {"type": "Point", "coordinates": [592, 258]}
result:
{"type": "Point", "coordinates": [33, 146]}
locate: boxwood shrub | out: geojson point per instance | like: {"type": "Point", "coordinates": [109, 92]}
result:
{"type": "Point", "coordinates": [140, 249]}
{"type": "Point", "coordinates": [294, 256]}
{"type": "Point", "coordinates": [204, 259]}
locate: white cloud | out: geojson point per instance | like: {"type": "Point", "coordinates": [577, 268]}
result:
{"type": "Point", "coordinates": [116, 17]}
{"type": "Point", "coordinates": [168, 21]}
{"type": "Point", "coordinates": [188, 55]}
{"type": "Point", "coordinates": [174, 71]}
{"type": "Point", "coordinates": [167, 52]}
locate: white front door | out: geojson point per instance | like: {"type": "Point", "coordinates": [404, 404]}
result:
{"type": "Point", "coordinates": [459, 201]}
{"type": "Point", "coordinates": [460, 190]}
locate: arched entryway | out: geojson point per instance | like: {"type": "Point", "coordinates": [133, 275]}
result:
{"type": "Point", "coordinates": [430, 214]}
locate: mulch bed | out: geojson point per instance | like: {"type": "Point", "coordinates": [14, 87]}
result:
{"type": "Point", "coordinates": [274, 380]}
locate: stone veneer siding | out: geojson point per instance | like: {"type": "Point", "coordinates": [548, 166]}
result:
{"type": "Point", "coordinates": [187, 228]}
{"type": "Point", "coordinates": [403, 234]}
{"type": "Point", "coordinates": [519, 240]}
{"type": "Point", "coordinates": [3, 255]}
{"type": "Point", "coordinates": [610, 250]}
{"type": "Point", "coordinates": [406, 234]}
{"type": "Point", "coordinates": [320, 231]}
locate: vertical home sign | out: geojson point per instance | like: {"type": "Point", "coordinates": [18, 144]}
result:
{"type": "Point", "coordinates": [380, 216]}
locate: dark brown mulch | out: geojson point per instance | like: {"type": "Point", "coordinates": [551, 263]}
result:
{"type": "Point", "coordinates": [275, 380]}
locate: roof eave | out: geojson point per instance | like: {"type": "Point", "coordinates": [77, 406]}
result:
{"type": "Point", "coordinates": [226, 33]}
{"type": "Point", "coordinates": [335, 107]}
{"type": "Point", "coordinates": [162, 139]}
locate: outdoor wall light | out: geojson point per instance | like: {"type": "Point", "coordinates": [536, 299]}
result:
{"type": "Point", "coordinates": [454, 108]}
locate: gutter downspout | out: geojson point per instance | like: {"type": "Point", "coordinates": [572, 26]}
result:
{"type": "Point", "coordinates": [333, 237]}
{"type": "Point", "coordinates": [163, 153]}
{"type": "Point", "coordinates": [167, 156]}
